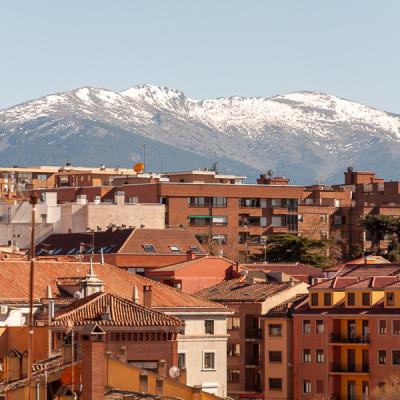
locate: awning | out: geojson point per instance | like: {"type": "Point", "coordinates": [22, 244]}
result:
{"type": "Point", "coordinates": [201, 216]}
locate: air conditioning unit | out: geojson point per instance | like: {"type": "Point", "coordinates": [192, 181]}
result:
{"type": "Point", "coordinates": [3, 310]}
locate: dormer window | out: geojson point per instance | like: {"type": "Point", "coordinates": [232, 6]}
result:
{"type": "Point", "coordinates": [327, 299]}
{"type": "Point", "coordinates": [149, 248]}
{"type": "Point", "coordinates": [366, 299]}
{"type": "Point", "coordinates": [390, 299]}
{"type": "Point", "coordinates": [351, 299]}
{"type": "Point", "coordinates": [314, 299]}
{"type": "Point", "coordinates": [175, 249]}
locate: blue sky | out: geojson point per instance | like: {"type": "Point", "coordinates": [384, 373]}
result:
{"type": "Point", "coordinates": [213, 48]}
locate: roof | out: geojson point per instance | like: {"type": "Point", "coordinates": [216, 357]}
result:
{"type": "Point", "coordinates": [116, 281]}
{"type": "Point", "coordinates": [369, 260]}
{"type": "Point", "coordinates": [369, 270]}
{"type": "Point", "coordinates": [286, 306]}
{"type": "Point", "coordinates": [161, 239]}
{"type": "Point", "coordinates": [106, 309]}
{"type": "Point", "coordinates": [69, 243]}
{"type": "Point", "coordinates": [300, 271]}
{"type": "Point", "coordinates": [354, 282]}
{"type": "Point", "coordinates": [244, 290]}
{"type": "Point", "coordinates": [213, 260]}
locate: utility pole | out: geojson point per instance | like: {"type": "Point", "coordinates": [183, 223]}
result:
{"type": "Point", "coordinates": [33, 201]}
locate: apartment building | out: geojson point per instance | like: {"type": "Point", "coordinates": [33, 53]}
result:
{"type": "Point", "coordinates": [347, 333]}
{"type": "Point", "coordinates": [251, 297]}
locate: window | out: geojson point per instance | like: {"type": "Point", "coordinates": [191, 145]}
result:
{"type": "Point", "coordinates": [199, 201]}
{"type": "Point", "coordinates": [219, 202]}
{"type": "Point", "coordinates": [351, 299]}
{"type": "Point", "coordinates": [181, 360]}
{"type": "Point", "coordinates": [327, 299]}
{"type": "Point", "coordinates": [42, 177]}
{"type": "Point", "coordinates": [233, 323]}
{"type": "Point", "coordinates": [276, 220]}
{"type": "Point", "coordinates": [275, 356]}
{"type": "Point", "coordinates": [220, 239]}
{"type": "Point", "coordinates": [366, 299]}
{"type": "Point", "coordinates": [320, 328]}
{"type": "Point", "coordinates": [220, 220]}
{"type": "Point", "coordinates": [382, 327]}
{"type": "Point", "coordinates": [323, 217]}
{"type": "Point", "coordinates": [233, 349]}
{"type": "Point", "coordinates": [175, 249]}
{"type": "Point", "coordinates": [233, 376]}
{"type": "Point", "coordinates": [320, 386]}
{"type": "Point", "coordinates": [149, 248]}
{"type": "Point", "coordinates": [396, 327]}
{"type": "Point", "coordinates": [209, 326]}
{"type": "Point", "coordinates": [275, 383]}
{"type": "Point", "coordinates": [199, 220]}
{"type": "Point", "coordinates": [382, 356]}
{"type": "Point", "coordinates": [275, 330]}
{"type": "Point", "coordinates": [396, 357]}
{"type": "Point", "coordinates": [320, 356]}
{"type": "Point", "coordinates": [133, 200]}
{"type": "Point", "coordinates": [306, 386]}
{"type": "Point", "coordinates": [307, 326]}
{"type": "Point", "coordinates": [209, 360]}
{"type": "Point", "coordinates": [390, 299]}
{"type": "Point", "coordinates": [249, 203]}
{"type": "Point", "coordinates": [276, 202]}
{"type": "Point", "coordinates": [314, 299]}
{"type": "Point", "coordinates": [306, 355]}
{"type": "Point", "coordinates": [338, 220]}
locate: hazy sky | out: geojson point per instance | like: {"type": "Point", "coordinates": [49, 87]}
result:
{"type": "Point", "coordinates": [213, 48]}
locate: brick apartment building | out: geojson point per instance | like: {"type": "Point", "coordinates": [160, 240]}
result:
{"type": "Point", "coordinates": [347, 334]}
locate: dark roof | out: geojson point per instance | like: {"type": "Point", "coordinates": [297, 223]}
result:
{"type": "Point", "coordinates": [106, 309]}
{"type": "Point", "coordinates": [69, 243]}
{"type": "Point", "coordinates": [244, 290]}
{"type": "Point", "coordinates": [286, 307]}
{"type": "Point", "coordinates": [161, 239]}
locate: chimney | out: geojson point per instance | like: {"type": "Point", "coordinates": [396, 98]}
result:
{"type": "Point", "coordinates": [162, 368]}
{"type": "Point", "coordinates": [159, 386]}
{"type": "Point", "coordinates": [81, 199]}
{"type": "Point", "coordinates": [147, 296]}
{"type": "Point", "coordinates": [143, 382]}
{"type": "Point", "coordinates": [135, 295]}
{"type": "Point", "coordinates": [182, 376]}
{"type": "Point", "coordinates": [93, 362]}
{"type": "Point", "coordinates": [190, 255]}
{"type": "Point", "coordinates": [119, 198]}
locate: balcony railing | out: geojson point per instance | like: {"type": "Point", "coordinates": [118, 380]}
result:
{"type": "Point", "coordinates": [253, 360]}
{"type": "Point", "coordinates": [336, 367]}
{"type": "Point", "coordinates": [253, 333]}
{"type": "Point", "coordinates": [337, 338]}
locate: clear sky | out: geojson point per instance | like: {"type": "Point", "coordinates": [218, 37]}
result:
{"type": "Point", "coordinates": [207, 48]}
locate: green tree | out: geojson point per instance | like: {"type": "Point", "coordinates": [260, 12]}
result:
{"type": "Point", "coordinates": [291, 248]}
{"type": "Point", "coordinates": [355, 251]}
{"type": "Point", "coordinates": [377, 226]}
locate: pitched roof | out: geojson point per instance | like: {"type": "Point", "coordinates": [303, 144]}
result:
{"type": "Point", "coordinates": [369, 270]}
{"type": "Point", "coordinates": [120, 312]}
{"type": "Point", "coordinates": [286, 306]}
{"type": "Point", "coordinates": [214, 260]}
{"type": "Point", "coordinates": [243, 290]}
{"type": "Point", "coordinates": [369, 260]}
{"type": "Point", "coordinates": [116, 281]}
{"type": "Point", "coordinates": [161, 239]}
{"type": "Point", "coordinates": [69, 243]}
{"type": "Point", "coordinates": [355, 282]}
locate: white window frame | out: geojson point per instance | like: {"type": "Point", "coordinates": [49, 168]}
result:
{"type": "Point", "coordinates": [203, 360]}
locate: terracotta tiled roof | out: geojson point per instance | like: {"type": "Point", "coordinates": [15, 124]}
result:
{"type": "Point", "coordinates": [368, 270]}
{"type": "Point", "coordinates": [14, 283]}
{"type": "Point", "coordinates": [369, 260]}
{"type": "Point", "coordinates": [292, 269]}
{"type": "Point", "coordinates": [106, 309]}
{"type": "Point", "coordinates": [239, 290]}
{"type": "Point", "coordinates": [286, 306]}
{"type": "Point", "coordinates": [161, 239]}
{"type": "Point", "coordinates": [69, 243]}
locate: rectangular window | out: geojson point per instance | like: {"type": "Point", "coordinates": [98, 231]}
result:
{"type": "Point", "coordinates": [219, 202]}
{"type": "Point", "coordinates": [306, 355]}
{"type": "Point", "coordinates": [276, 220]}
{"type": "Point", "coordinates": [233, 349]}
{"type": "Point", "coordinates": [396, 327]}
{"type": "Point", "coordinates": [175, 249]}
{"type": "Point", "coordinates": [209, 326]}
{"type": "Point", "coordinates": [276, 202]}
{"type": "Point", "coordinates": [307, 326]}
{"type": "Point", "coordinates": [306, 386]}
{"type": "Point", "coordinates": [249, 203]}
{"type": "Point", "coordinates": [323, 217]}
{"type": "Point", "coordinates": [275, 330]}
{"type": "Point", "coordinates": [209, 360]}
{"type": "Point", "coordinates": [233, 376]}
{"type": "Point", "coordinates": [327, 299]}
{"type": "Point", "coordinates": [366, 299]}
{"type": "Point", "coordinates": [200, 220]}
{"type": "Point", "coordinates": [220, 220]}
{"type": "Point", "coordinates": [319, 386]}
{"type": "Point", "coordinates": [320, 328]}
{"type": "Point", "coordinates": [181, 360]}
{"type": "Point", "coordinates": [351, 299]}
{"type": "Point", "coordinates": [199, 201]}
{"type": "Point", "coordinates": [320, 356]}
{"type": "Point", "coordinates": [337, 220]}
{"type": "Point", "coordinates": [314, 299]}
{"type": "Point", "coordinates": [382, 356]}
{"type": "Point", "coordinates": [149, 248]}
{"type": "Point", "coordinates": [275, 356]}
{"type": "Point", "coordinates": [233, 323]}
{"type": "Point", "coordinates": [390, 299]}
{"type": "Point", "coordinates": [382, 329]}
{"type": "Point", "coordinates": [396, 357]}
{"type": "Point", "coordinates": [275, 383]}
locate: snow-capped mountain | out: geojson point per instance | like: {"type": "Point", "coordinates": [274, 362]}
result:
{"type": "Point", "coordinates": [308, 135]}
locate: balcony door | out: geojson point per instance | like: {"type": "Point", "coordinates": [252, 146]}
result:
{"type": "Point", "coordinates": [351, 390]}
{"type": "Point", "coordinates": [351, 360]}
{"type": "Point", "coordinates": [351, 329]}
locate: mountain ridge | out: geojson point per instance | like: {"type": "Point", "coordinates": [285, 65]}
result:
{"type": "Point", "coordinates": [309, 134]}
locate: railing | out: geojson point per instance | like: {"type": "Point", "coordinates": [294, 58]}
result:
{"type": "Point", "coordinates": [350, 367]}
{"type": "Point", "coordinates": [337, 338]}
{"type": "Point", "coordinates": [253, 360]}
{"type": "Point", "coordinates": [253, 333]}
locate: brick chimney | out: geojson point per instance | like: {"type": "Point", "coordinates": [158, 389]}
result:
{"type": "Point", "coordinates": [190, 255]}
{"type": "Point", "coordinates": [147, 296]}
{"type": "Point", "coordinates": [94, 363]}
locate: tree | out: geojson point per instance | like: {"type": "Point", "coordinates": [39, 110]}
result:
{"type": "Point", "coordinates": [291, 248]}
{"type": "Point", "coordinates": [389, 391]}
{"type": "Point", "coordinates": [377, 226]}
{"type": "Point", "coordinates": [355, 251]}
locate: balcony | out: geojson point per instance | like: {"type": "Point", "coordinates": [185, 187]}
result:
{"type": "Point", "coordinates": [339, 369]}
{"type": "Point", "coordinates": [253, 333]}
{"type": "Point", "coordinates": [343, 339]}
{"type": "Point", "coordinates": [284, 210]}
{"type": "Point", "coordinates": [253, 362]}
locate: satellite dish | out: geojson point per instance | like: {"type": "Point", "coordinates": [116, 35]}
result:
{"type": "Point", "coordinates": [270, 172]}
{"type": "Point", "coordinates": [138, 168]}
{"type": "Point", "coordinates": [174, 372]}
